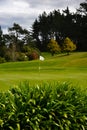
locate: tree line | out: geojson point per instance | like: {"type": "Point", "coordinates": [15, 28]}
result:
{"type": "Point", "coordinates": [61, 25]}
{"type": "Point", "coordinates": [21, 44]}
{"type": "Point", "coordinates": [17, 45]}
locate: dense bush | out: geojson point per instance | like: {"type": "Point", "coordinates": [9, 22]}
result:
{"type": "Point", "coordinates": [33, 55]}
{"type": "Point", "coordinates": [43, 107]}
{"type": "Point", "coordinates": [21, 56]}
{"type": "Point", "coordinates": [2, 60]}
{"type": "Point", "coordinates": [28, 53]}
{"type": "Point", "coordinates": [10, 55]}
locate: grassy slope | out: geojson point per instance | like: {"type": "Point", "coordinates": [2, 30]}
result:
{"type": "Point", "coordinates": [61, 68]}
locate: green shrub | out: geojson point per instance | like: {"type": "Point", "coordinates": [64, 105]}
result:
{"type": "Point", "coordinates": [10, 55]}
{"type": "Point", "coordinates": [2, 60]}
{"type": "Point", "coordinates": [21, 56]}
{"type": "Point", "coordinates": [43, 107]}
{"type": "Point", "coordinates": [33, 55]}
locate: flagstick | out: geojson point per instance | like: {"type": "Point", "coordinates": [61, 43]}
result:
{"type": "Point", "coordinates": [41, 58]}
{"type": "Point", "coordinates": [39, 68]}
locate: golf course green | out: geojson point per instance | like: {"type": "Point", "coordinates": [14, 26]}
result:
{"type": "Point", "coordinates": [60, 67]}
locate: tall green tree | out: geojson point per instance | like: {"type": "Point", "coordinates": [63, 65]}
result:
{"type": "Point", "coordinates": [60, 25]}
{"type": "Point", "coordinates": [15, 33]}
{"type": "Point", "coordinates": [36, 33]}
{"type": "Point", "coordinates": [19, 36]}
{"type": "Point", "coordinates": [2, 44]}
{"type": "Point", "coordinates": [54, 25]}
{"type": "Point", "coordinates": [83, 8]}
{"type": "Point", "coordinates": [82, 25]}
{"type": "Point", "coordinates": [67, 23]}
{"type": "Point", "coordinates": [1, 37]}
{"type": "Point", "coordinates": [43, 30]}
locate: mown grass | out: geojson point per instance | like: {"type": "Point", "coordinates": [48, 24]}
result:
{"type": "Point", "coordinates": [54, 96]}
{"type": "Point", "coordinates": [71, 68]}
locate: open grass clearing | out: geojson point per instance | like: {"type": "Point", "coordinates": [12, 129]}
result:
{"type": "Point", "coordinates": [61, 68]}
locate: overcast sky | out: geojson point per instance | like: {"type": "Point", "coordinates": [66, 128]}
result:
{"type": "Point", "coordinates": [24, 12]}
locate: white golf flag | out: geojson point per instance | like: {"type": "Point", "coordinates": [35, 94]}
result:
{"type": "Point", "coordinates": [41, 58]}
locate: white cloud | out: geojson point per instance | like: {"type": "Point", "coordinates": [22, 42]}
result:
{"type": "Point", "coordinates": [14, 7]}
{"type": "Point", "coordinates": [24, 12]}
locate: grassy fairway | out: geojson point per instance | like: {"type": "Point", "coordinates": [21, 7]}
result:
{"type": "Point", "coordinates": [72, 68]}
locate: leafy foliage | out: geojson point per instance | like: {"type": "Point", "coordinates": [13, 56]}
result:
{"type": "Point", "coordinates": [47, 106]}
{"type": "Point", "coordinates": [21, 56]}
{"type": "Point", "coordinates": [68, 45]}
{"type": "Point", "coordinates": [53, 47]}
{"type": "Point", "coordinates": [2, 60]}
{"type": "Point", "coordinates": [47, 26]}
{"type": "Point", "coordinates": [61, 25]}
{"type": "Point", "coordinates": [33, 55]}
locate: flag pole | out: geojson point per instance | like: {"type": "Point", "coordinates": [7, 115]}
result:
{"type": "Point", "coordinates": [39, 68]}
{"type": "Point", "coordinates": [41, 58]}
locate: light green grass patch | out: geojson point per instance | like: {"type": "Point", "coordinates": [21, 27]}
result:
{"type": "Point", "coordinates": [72, 68]}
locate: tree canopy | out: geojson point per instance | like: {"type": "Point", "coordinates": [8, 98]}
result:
{"type": "Point", "coordinates": [64, 27]}
{"type": "Point", "coordinates": [61, 25]}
